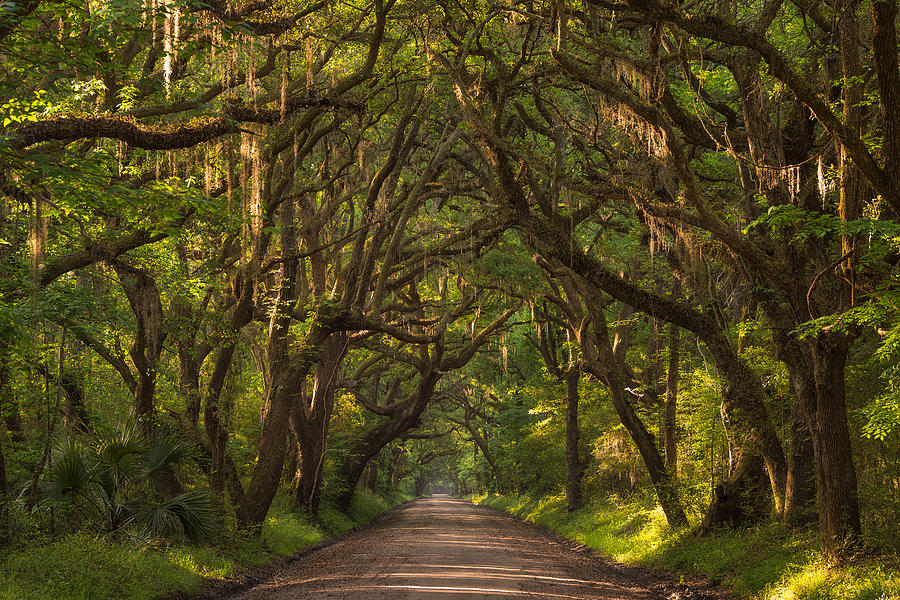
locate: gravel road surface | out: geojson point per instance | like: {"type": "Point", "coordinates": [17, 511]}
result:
{"type": "Point", "coordinates": [449, 549]}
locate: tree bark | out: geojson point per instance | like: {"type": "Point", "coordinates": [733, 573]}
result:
{"type": "Point", "coordinates": [742, 499]}
{"type": "Point", "coordinates": [231, 478]}
{"type": "Point", "coordinates": [310, 418]}
{"type": "Point", "coordinates": [372, 479]}
{"type": "Point", "coordinates": [288, 370]}
{"type": "Point", "coordinates": [602, 363]}
{"type": "Point", "coordinates": [838, 503]}
{"type": "Point", "coordinates": [800, 496]}
{"type": "Point", "coordinates": [884, 50]}
{"type": "Point", "coordinates": [575, 465]}
{"type": "Point", "coordinates": [670, 423]}
{"type": "Point", "coordinates": [143, 296]}
{"type": "Point", "coordinates": [4, 508]}
{"type": "Point", "coordinates": [288, 374]}
{"type": "Point", "coordinates": [75, 416]}
{"type": "Point", "coordinates": [805, 479]}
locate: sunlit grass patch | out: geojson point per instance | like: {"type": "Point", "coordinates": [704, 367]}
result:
{"type": "Point", "coordinates": [334, 521]}
{"type": "Point", "coordinates": [201, 561]}
{"type": "Point", "coordinates": [815, 581]}
{"type": "Point", "coordinates": [88, 567]}
{"type": "Point", "coordinates": [769, 562]}
{"type": "Point", "coordinates": [287, 533]}
{"type": "Point", "coordinates": [82, 567]}
{"type": "Point", "coordinates": [364, 507]}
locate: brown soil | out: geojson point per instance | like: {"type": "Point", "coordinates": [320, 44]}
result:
{"type": "Point", "coordinates": [444, 548]}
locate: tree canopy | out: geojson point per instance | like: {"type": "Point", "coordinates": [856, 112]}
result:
{"type": "Point", "coordinates": [301, 247]}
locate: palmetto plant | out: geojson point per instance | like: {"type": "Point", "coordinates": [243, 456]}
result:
{"type": "Point", "coordinates": [119, 476]}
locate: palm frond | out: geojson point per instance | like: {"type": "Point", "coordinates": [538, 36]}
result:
{"type": "Point", "coordinates": [69, 472]}
{"type": "Point", "coordinates": [189, 514]}
{"type": "Point", "coordinates": [126, 441]}
{"type": "Point", "coordinates": [164, 452]}
{"type": "Point", "coordinates": [117, 452]}
{"type": "Point", "coordinates": [161, 522]}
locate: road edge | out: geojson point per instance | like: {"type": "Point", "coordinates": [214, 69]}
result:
{"type": "Point", "coordinates": [222, 589]}
{"type": "Point", "coordinates": [668, 585]}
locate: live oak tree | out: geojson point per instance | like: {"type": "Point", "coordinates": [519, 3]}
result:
{"type": "Point", "coordinates": [779, 161]}
{"type": "Point", "coordinates": [219, 209]}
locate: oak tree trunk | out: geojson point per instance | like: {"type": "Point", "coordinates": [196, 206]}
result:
{"type": "Point", "coordinates": [376, 439]}
{"type": "Point", "coordinates": [803, 475]}
{"type": "Point", "coordinates": [575, 465]}
{"type": "Point", "coordinates": [839, 519]}
{"type": "Point", "coordinates": [311, 417]}
{"type": "Point", "coordinates": [372, 479]}
{"type": "Point", "coordinates": [742, 499]}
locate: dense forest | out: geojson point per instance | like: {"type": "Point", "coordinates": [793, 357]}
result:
{"type": "Point", "coordinates": [262, 254]}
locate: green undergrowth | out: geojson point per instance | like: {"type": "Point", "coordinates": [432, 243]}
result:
{"type": "Point", "coordinates": [364, 507]}
{"type": "Point", "coordinates": [770, 562]}
{"type": "Point", "coordinates": [88, 567]}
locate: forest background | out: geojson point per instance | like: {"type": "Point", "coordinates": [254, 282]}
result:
{"type": "Point", "coordinates": [628, 267]}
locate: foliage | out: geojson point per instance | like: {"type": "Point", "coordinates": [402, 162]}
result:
{"type": "Point", "coordinates": [81, 567]}
{"type": "Point", "coordinates": [770, 562]}
{"type": "Point", "coordinates": [110, 475]}
{"type": "Point", "coordinates": [364, 507]}
{"type": "Point", "coordinates": [357, 225]}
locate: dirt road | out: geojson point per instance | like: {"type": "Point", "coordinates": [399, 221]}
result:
{"type": "Point", "coordinates": [443, 548]}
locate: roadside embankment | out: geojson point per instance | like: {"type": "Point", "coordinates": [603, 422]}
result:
{"type": "Point", "coordinates": [80, 566]}
{"type": "Point", "coordinates": [769, 562]}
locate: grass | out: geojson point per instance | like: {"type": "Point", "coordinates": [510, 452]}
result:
{"type": "Point", "coordinates": [770, 562]}
{"type": "Point", "coordinates": [364, 507]}
{"type": "Point", "coordinates": [88, 567]}
{"type": "Point", "coordinates": [84, 567]}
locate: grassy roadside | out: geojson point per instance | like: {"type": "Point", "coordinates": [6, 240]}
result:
{"type": "Point", "coordinates": [765, 563]}
{"type": "Point", "coordinates": [87, 567]}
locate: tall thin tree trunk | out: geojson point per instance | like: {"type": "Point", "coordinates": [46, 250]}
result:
{"type": "Point", "coordinates": [670, 424]}
{"type": "Point", "coordinates": [800, 496]}
{"type": "Point", "coordinates": [287, 374]}
{"type": "Point", "coordinates": [270, 462]}
{"type": "Point", "coordinates": [213, 418]}
{"type": "Point", "coordinates": [4, 509]}
{"type": "Point", "coordinates": [574, 464]}
{"type": "Point", "coordinates": [143, 296]}
{"type": "Point", "coordinates": [312, 456]}
{"type": "Point", "coordinates": [602, 363]}
{"type": "Point", "coordinates": [372, 478]}
{"type": "Point", "coordinates": [482, 444]}
{"type": "Point", "coordinates": [804, 474]}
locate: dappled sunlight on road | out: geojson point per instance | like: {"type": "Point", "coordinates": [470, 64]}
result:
{"type": "Point", "coordinates": [443, 548]}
